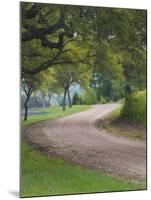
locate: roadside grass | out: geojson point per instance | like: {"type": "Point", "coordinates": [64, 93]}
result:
{"type": "Point", "coordinates": [53, 176]}
{"type": "Point", "coordinates": [113, 123]}
{"type": "Point", "coordinates": [114, 114]}
{"type": "Point", "coordinates": [42, 175]}
{"type": "Point", "coordinates": [52, 113]}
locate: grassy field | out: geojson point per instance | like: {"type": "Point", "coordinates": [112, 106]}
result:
{"type": "Point", "coordinates": [53, 176]}
{"type": "Point", "coordinates": [114, 124]}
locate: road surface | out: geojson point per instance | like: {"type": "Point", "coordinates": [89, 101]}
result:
{"type": "Point", "coordinates": [77, 139]}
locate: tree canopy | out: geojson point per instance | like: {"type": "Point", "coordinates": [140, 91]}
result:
{"type": "Point", "coordinates": [66, 44]}
{"type": "Point", "coordinates": [113, 38]}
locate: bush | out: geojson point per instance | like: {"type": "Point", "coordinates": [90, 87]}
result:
{"type": "Point", "coordinates": [89, 97]}
{"type": "Point", "coordinates": [134, 108]}
{"type": "Point", "coordinates": [75, 100]}
{"type": "Point", "coordinates": [103, 100]}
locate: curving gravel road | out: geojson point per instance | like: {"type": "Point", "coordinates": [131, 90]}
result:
{"type": "Point", "coordinates": [77, 139]}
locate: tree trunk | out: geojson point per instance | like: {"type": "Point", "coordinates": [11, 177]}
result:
{"type": "Point", "coordinates": [43, 101]}
{"type": "Point", "coordinates": [111, 95]}
{"type": "Point", "coordinates": [49, 98]}
{"type": "Point", "coordinates": [26, 107]}
{"type": "Point", "coordinates": [128, 90]}
{"type": "Point", "coordinates": [69, 99]}
{"type": "Point", "coordinates": [36, 100]}
{"type": "Point", "coordinates": [64, 100]}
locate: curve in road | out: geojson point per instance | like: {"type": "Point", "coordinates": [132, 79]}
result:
{"type": "Point", "coordinates": [78, 140]}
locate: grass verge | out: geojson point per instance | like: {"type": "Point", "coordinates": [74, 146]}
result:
{"type": "Point", "coordinates": [114, 124]}
{"type": "Point", "coordinates": [41, 175]}
{"type": "Point", "coordinates": [54, 176]}
{"type": "Point", "coordinates": [53, 112]}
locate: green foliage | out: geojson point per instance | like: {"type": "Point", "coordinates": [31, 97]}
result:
{"type": "Point", "coordinates": [123, 54]}
{"type": "Point", "coordinates": [89, 97]}
{"type": "Point", "coordinates": [103, 100]}
{"type": "Point", "coordinates": [118, 89]}
{"type": "Point", "coordinates": [109, 62]}
{"type": "Point", "coordinates": [110, 32]}
{"type": "Point", "coordinates": [101, 85]}
{"type": "Point", "coordinates": [110, 89]}
{"type": "Point", "coordinates": [74, 72]}
{"type": "Point", "coordinates": [134, 109]}
{"type": "Point", "coordinates": [76, 99]}
{"type": "Point", "coordinates": [134, 68]}
{"type": "Point", "coordinates": [115, 37]}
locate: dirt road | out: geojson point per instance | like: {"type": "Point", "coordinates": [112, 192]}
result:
{"type": "Point", "coordinates": [78, 140]}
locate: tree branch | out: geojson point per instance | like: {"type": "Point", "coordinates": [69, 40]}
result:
{"type": "Point", "coordinates": [43, 66]}
{"type": "Point", "coordinates": [31, 12]}
{"type": "Point", "coordinates": [53, 62]}
{"type": "Point", "coordinates": [36, 33]}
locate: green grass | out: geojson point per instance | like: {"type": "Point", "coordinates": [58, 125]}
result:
{"type": "Point", "coordinates": [53, 112]}
{"type": "Point", "coordinates": [41, 175]}
{"type": "Point", "coordinates": [54, 176]}
{"type": "Point", "coordinates": [114, 114]}
{"type": "Point", "coordinates": [130, 133]}
{"type": "Point", "coordinates": [113, 123]}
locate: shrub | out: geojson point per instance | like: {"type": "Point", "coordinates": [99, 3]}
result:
{"type": "Point", "coordinates": [103, 100]}
{"type": "Point", "coordinates": [75, 100]}
{"type": "Point", "coordinates": [134, 108]}
{"type": "Point", "coordinates": [89, 97]}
